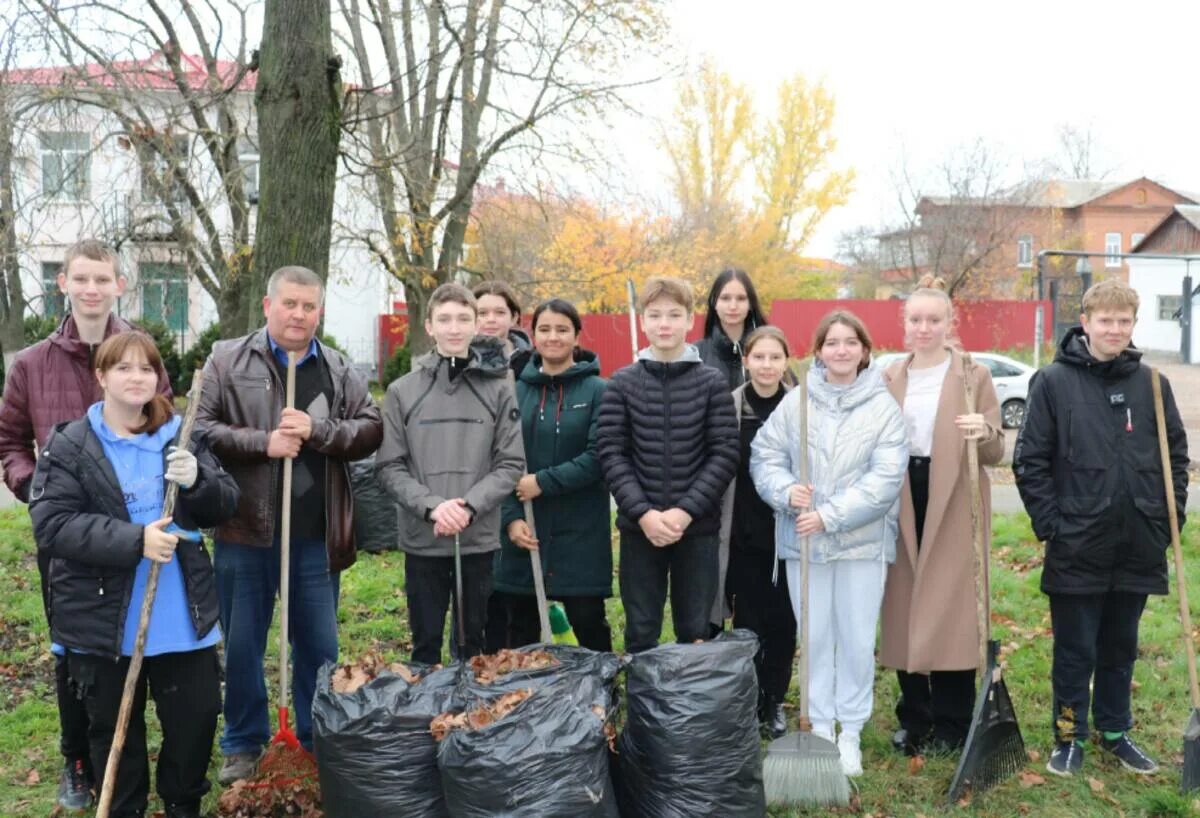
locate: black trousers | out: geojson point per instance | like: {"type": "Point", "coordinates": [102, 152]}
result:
{"type": "Point", "coordinates": [586, 614]}
{"type": "Point", "coordinates": [1095, 645]}
{"type": "Point", "coordinates": [187, 698]}
{"type": "Point", "coordinates": [72, 714]}
{"type": "Point", "coordinates": [936, 704]}
{"type": "Point", "coordinates": [690, 566]}
{"type": "Point", "coordinates": [766, 610]}
{"type": "Point", "coordinates": [429, 585]}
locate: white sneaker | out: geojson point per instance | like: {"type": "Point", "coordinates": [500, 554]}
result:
{"type": "Point", "coordinates": [851, 754]}
{"type": "Point", "coordinates": [824, 732]}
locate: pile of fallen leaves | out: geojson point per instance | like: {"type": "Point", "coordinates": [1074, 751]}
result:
{"type": "Point", "coordinates": [285, 786]}
{"type": "Point", "coordinates": [350, 677]}
{"type": "Point", "coordinates": [492, 666]}
{"type": "Point", "coordinates": [479, 717]}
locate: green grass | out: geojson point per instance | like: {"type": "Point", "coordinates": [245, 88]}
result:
{"type": "Point", "coordinates": [373, 614]}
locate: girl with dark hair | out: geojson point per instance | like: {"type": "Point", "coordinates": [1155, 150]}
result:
{"type": "Point", "coordinates": [559, 393]}
{"type": "Point", "coordinates": [96, 501]}
{"type": "Point", "coordinates": [733, 312]}
{"type": "Point", "coordinates": [843, 521]}
{"type": "Point", "coordinates": [755, 587]}
{"type": "Point", "coordinates": [499, 314]}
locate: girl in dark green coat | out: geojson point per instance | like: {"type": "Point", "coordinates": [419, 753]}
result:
{"type": "Point", "coordinates": [559, 393]}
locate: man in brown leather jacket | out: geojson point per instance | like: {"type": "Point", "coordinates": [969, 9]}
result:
{"type": "Point", "coordinates": [335, 421]}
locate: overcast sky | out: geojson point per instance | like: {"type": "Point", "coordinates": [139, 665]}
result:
{"type": "Point", "coordinates": [925, 76]}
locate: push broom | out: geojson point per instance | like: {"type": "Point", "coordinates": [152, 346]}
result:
{"type": "Point", "coordinates": [994, 749]}
{"type": "Point", "coordinates": [802, 768]}
{"type": "Point", "coordinates": [139, 643]}
{"type": "Point", "coordinates": [1190, 779]}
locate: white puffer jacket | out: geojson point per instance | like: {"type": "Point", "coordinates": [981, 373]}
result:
{"type": "Point", "coordinates": [858, 455]}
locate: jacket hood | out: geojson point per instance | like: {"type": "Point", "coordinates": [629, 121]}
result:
{"type": "Point", "coordinates": [868, 384]}
{"type": "Point", "coordinates": [586, 363]}
{"type": "Point", "coordinates": [485, 354]}
{"type": "Point", "coordinates": [154, 441]}
{"type": "Point", "coordinates": [690, 355]}
{"type": "Point", "coordinates": [1074, 350]}
{"type": "Point", "coordinates": [519, 340]}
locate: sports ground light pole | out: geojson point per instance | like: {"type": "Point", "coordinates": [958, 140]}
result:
{"type": "Point", "coordinates": [1083, 268]}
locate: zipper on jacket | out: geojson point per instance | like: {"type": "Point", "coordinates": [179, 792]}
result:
{"type": "Point", "coordinates": [428, 421]}
{"type": "Point", "coordinates": [479, 397]}
{"type": "Point", "coordinates": [667, 435]}
{"type": "Point", "coordinates": [421, 397]}
{"type": "Point", "coordinates": [101, 586]}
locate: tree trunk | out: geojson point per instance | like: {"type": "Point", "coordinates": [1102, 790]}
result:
{"type": "Point", "coordinates": [298, 99]}
{"type": "Point", "coordinates": [12, 299]}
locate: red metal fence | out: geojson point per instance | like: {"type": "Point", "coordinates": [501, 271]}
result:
{"type": "Point", "coordinates": [981, 325]}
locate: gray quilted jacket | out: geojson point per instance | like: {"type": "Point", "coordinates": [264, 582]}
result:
{"type": "Point", "coordinates": [858, 454]}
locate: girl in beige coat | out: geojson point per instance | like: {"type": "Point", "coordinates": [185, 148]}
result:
{"type": "Point", "coordinates": [929, 626]}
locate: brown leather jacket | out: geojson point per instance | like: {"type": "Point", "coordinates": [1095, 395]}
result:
{"type": "Point", "coordinates": [241, 403]}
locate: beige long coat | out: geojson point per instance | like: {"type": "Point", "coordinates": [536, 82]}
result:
{"type": "Point", "coordinates": [928, 617]}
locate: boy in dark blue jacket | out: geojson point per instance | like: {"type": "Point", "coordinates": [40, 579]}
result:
{"type": "Point", "coordinates": [667, 440]}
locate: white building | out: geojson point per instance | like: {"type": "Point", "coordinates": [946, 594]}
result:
{"type": "Point", "coordinates": [1161, 261]}
{"type": "Point", "coordinates": [80, 172]}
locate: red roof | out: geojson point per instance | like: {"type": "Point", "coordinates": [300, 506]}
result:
{"type": "Point", "coordinates": [151, 73]}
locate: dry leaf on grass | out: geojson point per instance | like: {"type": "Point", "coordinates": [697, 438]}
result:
{"type": "Point", "coordinates": [915, 763]}
{"type": "Point", "coordinates": [1028, 778]}
{"type": "Point", "coordinates": [1096, 784]}
{"type": "Point", "coordinates": [479, 717]}
{"type": "Point", "coordinates": [488, 668]}
{"type": "Point", "coordinates": [32, 778]}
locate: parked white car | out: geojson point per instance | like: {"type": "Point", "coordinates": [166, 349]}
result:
{"type": "Point", "coordinates": [1010, 377]}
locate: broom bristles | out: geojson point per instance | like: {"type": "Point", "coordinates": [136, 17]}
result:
{"type": "Point", "coordinates": [803, 770]}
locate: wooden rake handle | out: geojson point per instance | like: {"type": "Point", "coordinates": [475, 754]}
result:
{"type": "Point", "coordinates": [1185, 616]}
{"type": "Point", "coordinates": [139, 643]}
{"type": "Point", "coordinates": [805, 724]}
{"type": "Point", "coordinates": [285, 543]}
{"type": "Point", "coordinates": [539, 583]}
{"type": "Point", "coordinates": [981, 596]}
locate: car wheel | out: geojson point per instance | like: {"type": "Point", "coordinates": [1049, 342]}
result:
{"type": "Point", "coordinates": [1012, 414]}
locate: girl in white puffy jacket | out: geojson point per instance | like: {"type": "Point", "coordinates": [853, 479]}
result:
{"type": "Point", "coordinates": [857, 453]}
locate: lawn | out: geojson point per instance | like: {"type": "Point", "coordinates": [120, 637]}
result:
{"type": "Point", "coordinates": [373, 614]}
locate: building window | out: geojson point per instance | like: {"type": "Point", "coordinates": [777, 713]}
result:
{"type": "Point", "coordinates": [164, 294]}
{"type": "Point", "coordinates": [1025, 251]}
{"type": "Point", "coordinates": [1135, 239]}
{"type": "Point", "coordinates": [54, 303]}
{"type": "Point", "coordinates": [249, 160]}
{"type": "Point", "coordinates": [1168, 306]}
{"type": "Point", "coordinates": [66, 164]}
{"type": "Point", "coordinates": [1112, 249]}
{"type": "Point", "coordinates": [158, 169]}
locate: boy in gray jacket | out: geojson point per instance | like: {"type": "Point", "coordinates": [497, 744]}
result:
{"type": "Point", "coordinates": [451, 453]}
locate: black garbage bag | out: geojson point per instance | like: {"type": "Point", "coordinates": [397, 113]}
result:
{"type": "Point", "coordinates": [548, 758]}
{"type": "Point", "coordinates": [690, 744]}
{"type": "Point", "coordinates": [375, 754]}
{"type": "Point", "coordinates": [376, 513]}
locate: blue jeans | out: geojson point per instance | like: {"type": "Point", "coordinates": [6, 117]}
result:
{"type": "Point", "coordinates": [247, 584]}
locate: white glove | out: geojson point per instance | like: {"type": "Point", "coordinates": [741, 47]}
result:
{"type": "Point", "coordinates": [182, 467]}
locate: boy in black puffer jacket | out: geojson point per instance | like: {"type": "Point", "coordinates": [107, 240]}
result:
{"type": "Point", "coordinates": [667, 439]}
{"type": "Point", "coordinates": [1089, 471]}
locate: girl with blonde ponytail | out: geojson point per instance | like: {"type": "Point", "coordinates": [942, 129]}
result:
{"type": "Point", "coordinates": [929, 624]}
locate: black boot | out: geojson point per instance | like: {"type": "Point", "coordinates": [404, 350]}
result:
{"type": "Point", "coordinates": [776, 722]}
{"type": "Point", "coordinates": [191, 810]}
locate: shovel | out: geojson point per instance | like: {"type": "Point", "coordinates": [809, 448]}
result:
{"type": "Point", "coordinates": [994, 749]}
{"type": "Point", "coordinates": [1190, 779]}
{"type": "Point", "coordinates": [539, 584]}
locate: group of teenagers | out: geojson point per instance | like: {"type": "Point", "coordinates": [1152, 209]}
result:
{"type": "Point", "coordinates": [718, 500]}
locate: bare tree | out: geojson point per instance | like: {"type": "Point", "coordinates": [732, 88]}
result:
{"type": "Point", "coordinates": [1077, 155]}
{"type": "Point", "coordinates": [188, 118]}
{"type": "Point", "coordinates": [959, 233]}
{"type": "Point", "coordinates": [455, 85]}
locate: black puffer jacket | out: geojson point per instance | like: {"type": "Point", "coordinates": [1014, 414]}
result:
{"type": "Point", "coordinates": [667, 437]}
{"type": "Point", "coordinates": [80, 520]}
{"type": "Point", "coordinates": [723, 354]}
{"type": "Point", "coordinates": [1089, 471]}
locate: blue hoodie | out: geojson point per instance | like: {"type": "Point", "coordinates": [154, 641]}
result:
{"type": "Point", "coordinates": [138, 463]}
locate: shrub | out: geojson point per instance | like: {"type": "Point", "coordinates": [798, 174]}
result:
{"type": "Point", "coordinates": [167, 343]}
{"type": "Point", "coordinates": [399, 364]}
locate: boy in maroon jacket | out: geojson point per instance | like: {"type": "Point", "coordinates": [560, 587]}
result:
{"type": "Point", "coordinates": [48, 383]}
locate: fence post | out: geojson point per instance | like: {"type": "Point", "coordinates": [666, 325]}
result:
{"type": "Point", "coordinates": [1039, 329]}
{"type": "Point", "coordinates": [1185, 321]}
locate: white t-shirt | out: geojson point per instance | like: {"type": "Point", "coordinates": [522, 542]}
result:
{"type": "Point", "coordinates": [921, 405]}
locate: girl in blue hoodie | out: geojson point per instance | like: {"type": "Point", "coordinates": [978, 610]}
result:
{"type": "Point", "coordinates": [96, 501]}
